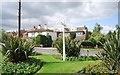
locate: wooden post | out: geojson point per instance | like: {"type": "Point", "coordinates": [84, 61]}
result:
{"type": "Point", "coordinates": [19, 18]}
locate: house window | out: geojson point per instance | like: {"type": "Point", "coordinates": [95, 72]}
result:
{"type": "Point", "coordinates": [79, 33]}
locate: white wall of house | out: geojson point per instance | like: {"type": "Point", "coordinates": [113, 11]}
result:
{"type": "Point", "coordinates": [79, 35]}
{"type": "Point", "coordinates": [34, 34]}
{"type": "Point", "coordinates": [44, 33]}
{"type": "Point", "coordinates": [30, 35]}
{"type": "Point", "coordinates": [53, 35]}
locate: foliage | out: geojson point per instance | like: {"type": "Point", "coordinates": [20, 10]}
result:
{"type": "Point", "coordinates": [93, 41]}
{"type": "Point", "coordinates": [49, 41]}
{"type": "Point", "coordinates": [108, 35]}
{"type": "Point", "coordinates": [96, 37]}
{"type": "Point", "coordinates": [81, 58]}
{"type": "Point", "coordinates": [40, 39]}
{"type": "Point", "coordinates": [72, 35]}
{"type": "Point", "coordinates": [87, 44]}
{"type": "Point", "coordinates": [44, 40]}
{"type": "Point", "coordinates": [3, 35]}
{"type": "Point", "coordinates": [28, 67]}
{"type": "Point", "coordinates": [97, 28]}
{"type": "Point", "coordinates": [111, 53]}
{"type": "Point", "coordinates": [16, 49]}
{"type": "Point", "coordinates": [72, 46]}
{"type": "Point", "coordinates": [97, 69]}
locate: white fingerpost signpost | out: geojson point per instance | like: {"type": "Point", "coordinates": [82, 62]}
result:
{"type": "Point", "coordinates": [64, 55]}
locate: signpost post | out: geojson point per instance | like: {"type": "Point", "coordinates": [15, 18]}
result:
{"type": "Point", "coordinates": [64, 55]}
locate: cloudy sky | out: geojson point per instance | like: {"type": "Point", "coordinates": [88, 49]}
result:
{"type": "Point", "coordinates": [74, 13]}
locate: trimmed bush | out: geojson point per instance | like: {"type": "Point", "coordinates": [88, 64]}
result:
{"type": "Point", "coordinates": [40, 39]}
{"type": "Point", "coordinates": [46, 41]}
{"type": "Point", "coordinates": [49, 41]}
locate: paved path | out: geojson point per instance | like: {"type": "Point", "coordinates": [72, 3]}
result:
{"type": "Point", "coordinates": [46, 50]}
{"type": "Point", "coordinates": [54, 51]}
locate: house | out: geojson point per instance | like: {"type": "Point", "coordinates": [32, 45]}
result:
{"type": "Point", "coordinates": [43, 31]}
{"type": "Point", "coordinates": [81, 33]}
{"type": "Point", "coordinates": [15, 33]}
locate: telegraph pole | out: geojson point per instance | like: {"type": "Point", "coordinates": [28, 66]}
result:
{"type": "Point", "coordinates": [19, 18]}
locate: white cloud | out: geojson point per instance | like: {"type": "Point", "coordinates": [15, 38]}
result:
{"type": "Point", "coordinates": [60, 0]}
{"type": "Point", "coordinates": [106, 29]}
{"type": "Point", "coordinates": [34, 13]}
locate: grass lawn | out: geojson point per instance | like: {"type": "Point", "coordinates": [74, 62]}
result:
{"type": "Point", "coordinates": [88, 48]}
{"type": "Point", "coordinates": [53, 65]}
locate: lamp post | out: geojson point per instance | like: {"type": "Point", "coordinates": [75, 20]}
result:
{"type": "Point", "coordinates": [64, 55]}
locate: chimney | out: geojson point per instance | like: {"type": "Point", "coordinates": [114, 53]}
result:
{"type": "Point", "coordinates": [39, 26]}
{"type": "Point", "coordinates": [45, 26]}
{"type": "Point", "coordinates": [34, 28]}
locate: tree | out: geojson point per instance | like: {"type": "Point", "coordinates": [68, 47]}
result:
{"type": "Point", "coordinates": [97, 28]}
{"type": "Point", "coordinates": [97, 35]}
{"type": "Point", "coordinates": [117, 27]}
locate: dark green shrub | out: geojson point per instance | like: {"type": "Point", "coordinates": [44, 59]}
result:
{"type": "Point", "coordinates": [81, 58]}
{"type": "Point", "coordinates": [16, 49]}
{"type": "Point", "coordinates": [72, 35]}
{"type": "Point", "coordinates": [40, 39]}
{"type": "Point", "coordinates": [49, 41]}
{"type": "Point", "coordinates": [46, 41]}
{"type": "Point", "coordinates": [87, 44]}
{"type": "Point", "coordinates": [93, 41]}
{"type": "Point", "coordinates": [28, 67]}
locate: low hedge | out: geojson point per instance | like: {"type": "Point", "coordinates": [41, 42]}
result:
{"type": "Point", "coordinates": [83, 58]}
{"type": "Point", "coordinates": [87, 44]}
{"type": "Point", "coordinates": [28, 67]}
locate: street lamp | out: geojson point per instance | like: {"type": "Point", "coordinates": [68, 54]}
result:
{"type": "Point", "coordinates": [64, 55]}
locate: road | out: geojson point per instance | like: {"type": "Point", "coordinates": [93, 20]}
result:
{"type": "Point", "coordinates": [54, 51]}
{"type": "Point", "coordinates": [46, 50]}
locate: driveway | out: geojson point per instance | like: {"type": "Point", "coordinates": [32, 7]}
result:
{"type": "Point", "coordinates": [54, 51]}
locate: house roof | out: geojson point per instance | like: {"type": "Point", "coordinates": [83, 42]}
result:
{"type": "Point", "coordinates": [81, 28]}
{"type": "Point", "coordinates": [39, 30]}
